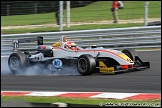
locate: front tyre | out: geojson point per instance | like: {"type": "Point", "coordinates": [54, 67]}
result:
{"type": "Point", "coordinates": [86, 64]}
{"type": "Point", "coordinates": [131, 53]}
{"type": "Point", "coordinates": [17, 62]}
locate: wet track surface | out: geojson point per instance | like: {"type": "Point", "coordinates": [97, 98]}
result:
{"type": "Point", "coordinates": [146, 81]}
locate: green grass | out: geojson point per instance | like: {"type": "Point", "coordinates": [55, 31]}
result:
{"type": "Point", "coordinates": [94, 101]}
{"type": "Point", "coordinates": [96, 11]}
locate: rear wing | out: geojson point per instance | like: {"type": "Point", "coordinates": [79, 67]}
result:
{"type": "Point", "coordinates": [16, 42]}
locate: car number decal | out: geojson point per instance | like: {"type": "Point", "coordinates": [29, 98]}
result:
{"type": "Point", "coordinates": [57, 63]}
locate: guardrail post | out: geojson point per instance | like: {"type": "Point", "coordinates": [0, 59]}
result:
{"type": "Point", "coordinates": [8, 10]}
{"type": "Point", "coordinates": [146, 13]}
{"type": "Point", "coordinates": [35, 8]}
{"type": "Point", "coordinates": [68, 13]}
{"type": "Point", "coordinates": [61, 15]}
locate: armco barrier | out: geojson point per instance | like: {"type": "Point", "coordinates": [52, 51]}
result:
{"type": "Point", "coordinates": [116, 38]}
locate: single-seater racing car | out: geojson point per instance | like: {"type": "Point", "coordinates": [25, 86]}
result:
{"type": "Point", "coordinates": [87, 60]}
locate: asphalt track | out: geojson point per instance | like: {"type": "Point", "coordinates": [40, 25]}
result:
{"type": "Point", "coordinates": [146, 81]}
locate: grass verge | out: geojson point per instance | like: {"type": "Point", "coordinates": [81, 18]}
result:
{"type": "Point", "coordinates": [94, 101]}
{"type": "Point", "coordinates": [97, 11]}
{"type": "Point", "coordinates": [75, 27]}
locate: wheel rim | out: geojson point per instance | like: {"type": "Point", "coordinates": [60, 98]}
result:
{"type": "Point", "coordinates": [82, 65]}
{"type": "Point", "coordinates": [14, 63]}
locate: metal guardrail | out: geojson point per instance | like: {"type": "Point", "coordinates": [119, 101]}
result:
{"type": "Point", "coordinates": [116, 38]}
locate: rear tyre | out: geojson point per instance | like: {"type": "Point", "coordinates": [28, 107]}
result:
{"type": "Point", "coordinates": [17, 62]}
{"type": "Point", "coordinates": [86, 64]}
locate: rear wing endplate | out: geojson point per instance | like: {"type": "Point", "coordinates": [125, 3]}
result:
{"type": "Point", "coordinates": [16, 42]}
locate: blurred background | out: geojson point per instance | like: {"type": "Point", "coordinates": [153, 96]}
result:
{"type": "Point", "coordinates": [43, 16]}
{"type": "Point", "coordinates": [38, 12]}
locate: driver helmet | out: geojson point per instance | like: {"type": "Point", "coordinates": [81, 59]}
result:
{"type": "Point", "coordinates": [70, 45]}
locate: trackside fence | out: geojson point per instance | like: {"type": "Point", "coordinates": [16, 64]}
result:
{"type": "Point", "coordinates": [115, 38]}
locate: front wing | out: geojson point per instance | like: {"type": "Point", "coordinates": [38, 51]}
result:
{"type": "Point", "coordinates": [138, 65]}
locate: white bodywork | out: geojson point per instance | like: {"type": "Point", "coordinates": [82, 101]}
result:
{"type": "Point", "coordinates": [61, 52]}
{"type": "Point", "coordinates": [65, 53]}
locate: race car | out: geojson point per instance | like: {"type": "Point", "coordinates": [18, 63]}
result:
{"type": "Point", "coordinates": [87, 60]}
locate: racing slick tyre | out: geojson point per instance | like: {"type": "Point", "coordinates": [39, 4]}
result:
{"type": "Point", "coordinates": [131, 53]}
{"type": "Point", "coordinates": [137, 61]}
{"type": "Point", "coordinates": [86, 64]}
{"type": "Point", "coordinates": [17, 62]}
